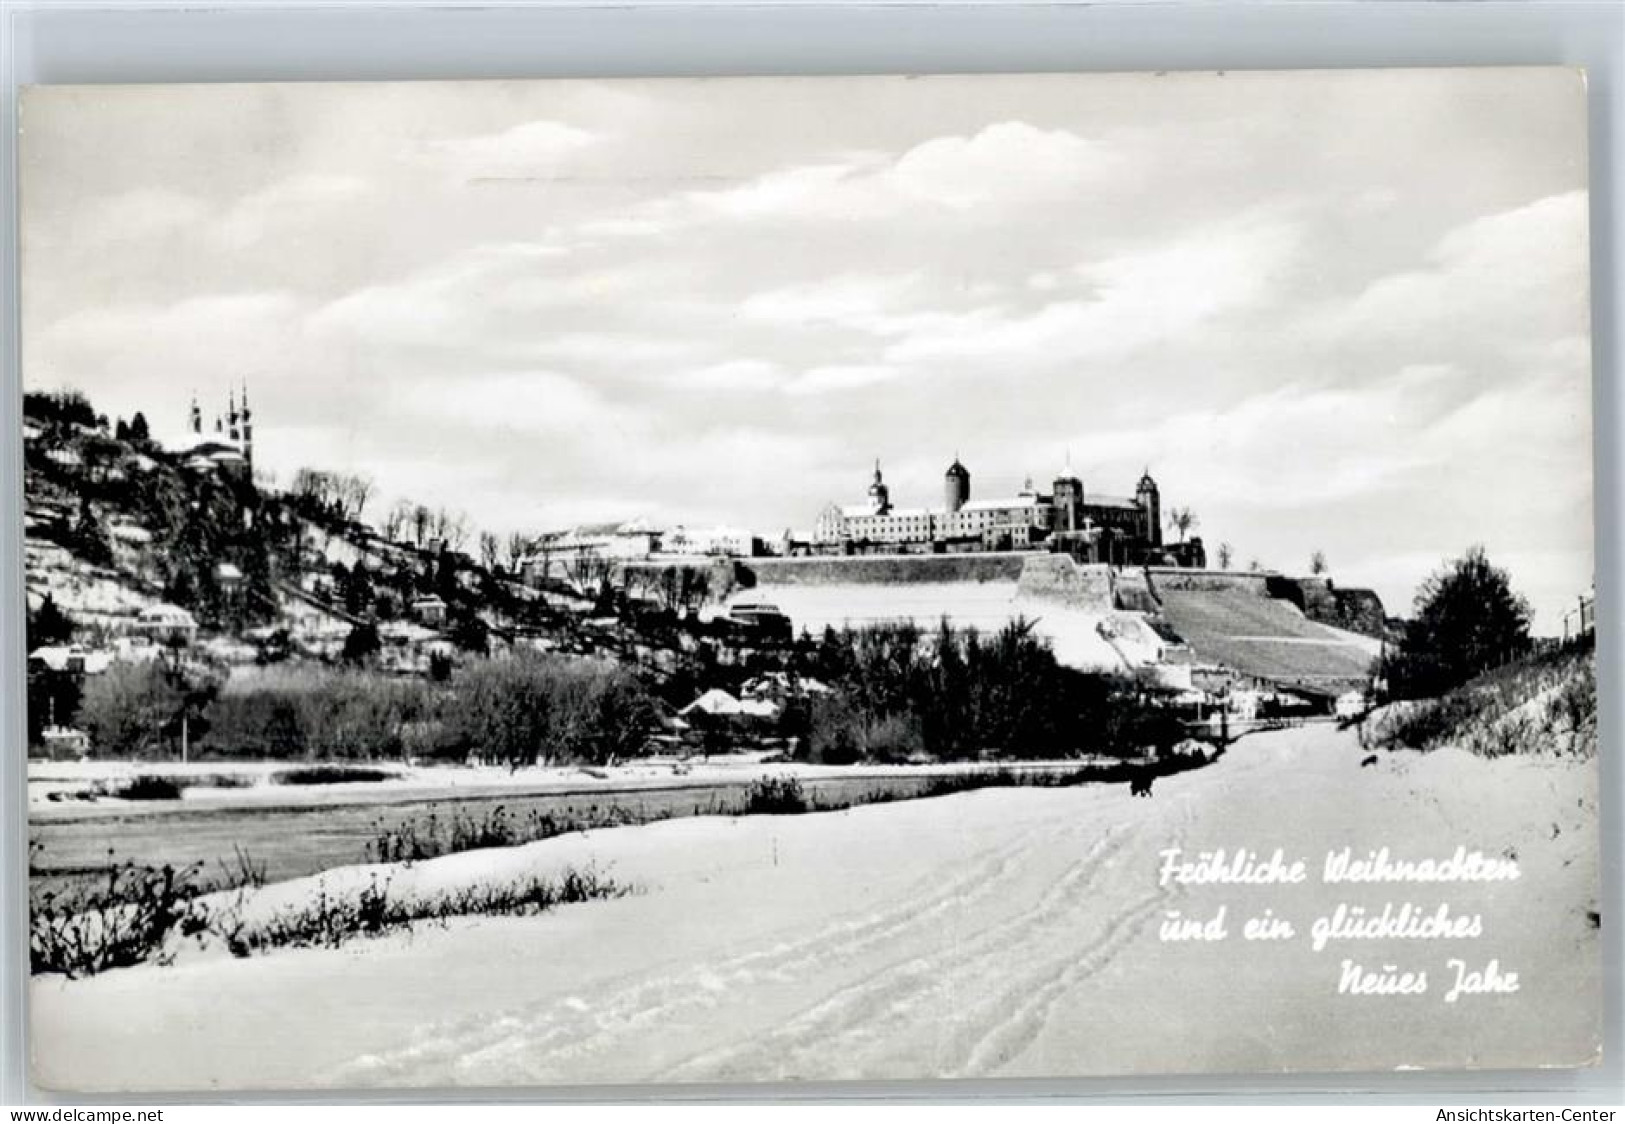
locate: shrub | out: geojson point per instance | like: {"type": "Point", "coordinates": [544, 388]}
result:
{"type": "Point", "coordinates": [775, 796]}
{"type": "Point", "coordinates": [958, 694]}
{"type": "Point", "coordinates": [434, 835]}
{"type": "Point", "coordinates": [534, 707]}
{"type": "Point", "coordinates": [333, 774]}
{"type": "Point", "coordinates": [148, 787]}
{"type": "Point", "coordinates": [130, 917]}
{"type": "Point", "coordinates": [126, 708]}
{"type": "Point", "coordinates": [330, 920]}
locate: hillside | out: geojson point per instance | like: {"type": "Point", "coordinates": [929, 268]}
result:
{"type": "Point", "coordinates": [1544, 703]}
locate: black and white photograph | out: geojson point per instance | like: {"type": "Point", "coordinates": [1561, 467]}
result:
{"type": "Point", "coordinates": [677, 581]}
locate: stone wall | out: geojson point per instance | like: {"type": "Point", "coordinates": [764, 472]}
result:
{"type": "Point", "coordinates": [884, 569]}
{"type": "Point", "coordinates": [1057, 578]}
{"type": "Point", "coordinates": [1210, 581]}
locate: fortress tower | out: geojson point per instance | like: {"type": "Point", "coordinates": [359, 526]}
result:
{"type": "Point", "coordinates": [879, 494]}
{"type": "Point", "coordinates": [955, 486]}
{"type": "Point", "coordinates": [1068, 498]}
{"type": "Point", "coordinates": [1150, 498]}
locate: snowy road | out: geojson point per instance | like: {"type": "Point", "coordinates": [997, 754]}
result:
{"type": "Point", "coordinates": [995, 933]}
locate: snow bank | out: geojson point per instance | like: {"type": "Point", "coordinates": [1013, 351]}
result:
{"type": "Point", "coordinates": [994, 933]}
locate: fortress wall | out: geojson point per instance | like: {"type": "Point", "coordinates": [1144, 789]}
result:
{"type": "Point", "coordinates": [1058, 578]}
{"type": "Point", "coordinates": [1133, 591]}
{"type": "Point", "coordinates": [1208, 581]}
{"type": "Point", "coordinates": [878, 569]}
{"type": "Point", "coordinates": [1361, 610]}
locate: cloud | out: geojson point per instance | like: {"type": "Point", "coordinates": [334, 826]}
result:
{"type": "Point", "coordinates": [1001, 167]}
{"type": "Point", "coordinates": [1499, 282]}
{"type": "Point", "coordinates": [297, 199]}
{"type": "Point", "coordinates": [533, 148]}
{"type": "Point", "coordinates": [1152, 296]}
{"type": "Point", "coordinates": [852, 300]}
{"type": "Point", "coordinates": [541, 402]}
{"type": "Point", "coordinates": [1008, 163]}
{"type": "Point", "coordinates": [142, 214]}
{"type": "Point", "coordinates": [839, 377]}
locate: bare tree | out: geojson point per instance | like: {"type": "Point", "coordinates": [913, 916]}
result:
{"type": "Point", "coordinates": [451, 528]}
{"type": "Point", "coordinates": [397, 520]}
{"type": "Point", "coordinates": [591, 572]}
{"type": "Point", "coordinates": [1182, 520]}
{"type": "Point", "coordinates": [1226, 554]}
{"type": "Point", "coordinates": [314, 487]}
{"type": "Point", "coordinates": [518, 548]}
{"type": "Point", "coordinates": [422, 521]}
{"type": "Point", "coordinates": [490, 550]}
{"type": "Point", "coordinates": [1317, 562]}
{"type": "Point", "coordinates": [539, 557]}
{"type": "Point", "coordinates": [352, 490]}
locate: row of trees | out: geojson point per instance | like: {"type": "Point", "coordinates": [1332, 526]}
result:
{"type": "Point", "coordinates": [953, 695]}
{"type": "Point", "coordinates": [521, 710]}
{"type": "Point", "coordinates": [324, 495]}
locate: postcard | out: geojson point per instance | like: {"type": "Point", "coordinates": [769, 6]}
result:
{"type": "Point", "coordinates": [550, 583]}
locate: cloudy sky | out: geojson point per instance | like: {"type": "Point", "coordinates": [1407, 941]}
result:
{"type": "Point", "coordinates": [1337, 311]}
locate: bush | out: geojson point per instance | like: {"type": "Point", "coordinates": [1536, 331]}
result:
{"type": "Point", "coordinates": [132, 916]}
{"type": "Point", "coordinates": [147, 788]}
{"type": "Point", "coordinates": [330, 713]}
{"type": "Point", "coordinates": [957, 695]}
{"type": "Point", "coordinates": [330, 920]}
{"type": "Point", "coordinates": [1546, 703]}
{"type": "Point", "coordinates": [434, 835]}
{"type": "Point", "coordinates": [775, 796]}
{"type": "Point", "coordinates": [333, 774]}
{"type": "Point", "coordinates": [126, 708]}
{"type": "Point", "coordinates": [534, 707]}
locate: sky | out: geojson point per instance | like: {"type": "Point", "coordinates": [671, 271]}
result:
{"type": "Point", "coordinates": [1335, 311]}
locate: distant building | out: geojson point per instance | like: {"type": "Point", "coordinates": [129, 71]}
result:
{"type": "Point", "coordinates": [166, 624]}
{"type": "Point", "coordinates": [1093, 527]}
{"type": "Point", "coordinates": [727, 541]}
{"type": "Point", "coordinates": [430, 611]}
{"type": "Point", "coordinates": [229, 448]}
{"type": "Point", "coordinates": [74, 658]}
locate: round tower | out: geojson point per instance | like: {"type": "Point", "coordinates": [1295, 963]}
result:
{"type": "Point", "coordinates": [879, 494]}
{"type": "Point", "coordinates": [1150, 499]}
{"type": "Point", "coordinates": [955, 486]}
{"type": "Point", "coordinates": [1068, 498]}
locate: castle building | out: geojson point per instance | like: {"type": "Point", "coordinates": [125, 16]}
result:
{"type": "Point", "coordinates": [229, 447]}
{"type": "Point", "coordinates": [1092, 527]}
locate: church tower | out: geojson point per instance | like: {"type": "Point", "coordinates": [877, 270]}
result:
{"type": "Point", "coordinates": [879, 494]}
{"type": "Point", "coordinates": [247, 428]}
{"type": "Point", "coordinates": [955, 486]}
{"type": "Point", "coordinates": [1150, 499]}
{"type": "Point", "coordinates": [196, 418]}
{"type": "Point", "coordinates": [231, 416]}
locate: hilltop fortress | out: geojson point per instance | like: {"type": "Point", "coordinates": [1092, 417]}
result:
{"type": "Point", "coordinates": [1118, 530]}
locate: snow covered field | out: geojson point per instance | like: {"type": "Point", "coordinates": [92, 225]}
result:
{"type": "Point", "coordinates": [993, 933]}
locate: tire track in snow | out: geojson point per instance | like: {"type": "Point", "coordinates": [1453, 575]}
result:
{"type": "Point", "coordinates": [860, 1021]}
{"type": "Point", "coordinates": [533, 1042]}
{"type": "Point", "coordinates": [853, 1020]}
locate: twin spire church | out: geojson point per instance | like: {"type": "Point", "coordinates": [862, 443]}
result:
{"type": "Point", "coordinates": [229, 445]}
